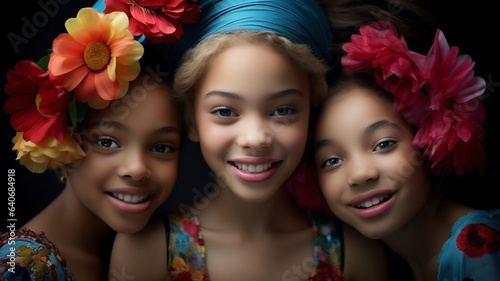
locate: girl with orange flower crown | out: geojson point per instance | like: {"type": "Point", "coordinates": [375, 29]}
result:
{"type": "Point", "coordinates": [394, 122]}
{"type": "Point", "coordinates": [249, 74]}
{"type": "Point", "coordinates": [86, 109]}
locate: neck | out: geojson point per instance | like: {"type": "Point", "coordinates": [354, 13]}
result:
{"type": "Point", "coordinates": [227, 212]}
{"type": "Point", "coordinates": [70, 225]}
{"type": "Point", "coordinates": [428, 231]}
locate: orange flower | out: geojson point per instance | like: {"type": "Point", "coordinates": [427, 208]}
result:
{"type": "Point", "coordinates": [97, 58]}
{"type": "Point", "coordinates": [47, 154]}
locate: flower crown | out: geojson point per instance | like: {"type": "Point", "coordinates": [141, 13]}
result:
{"type": "Point", "coordinates": [89, 66]}
{"type": "Point", "coordinates": [438, 93]}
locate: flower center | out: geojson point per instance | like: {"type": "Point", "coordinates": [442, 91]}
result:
{"type": "Point", "coordinates": [97, 55]}
{"type": "Point", "coordinates": [38, 101]}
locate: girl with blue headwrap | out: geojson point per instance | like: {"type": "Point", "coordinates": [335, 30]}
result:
{"type": "Point", "coordinates": [250, 74]}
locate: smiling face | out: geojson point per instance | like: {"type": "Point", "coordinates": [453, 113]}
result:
{"type": "Point", "coordinates": [132, 157]}
{"type": "Point", "coordinates": [371, 176]}
{"type": "Point", "coordinates": [251, 117]}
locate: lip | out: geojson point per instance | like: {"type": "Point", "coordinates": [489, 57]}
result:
{"type": "Point", "coordinates": [255, 176]}
{"type": "Point", "coordinates": [375, 210]}
{"type": "Point", "coordinates": [132, 208]}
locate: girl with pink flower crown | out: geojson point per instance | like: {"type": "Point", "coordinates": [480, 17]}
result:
{"type": "Point", "coordinates": [389, 126]}
{"type": "Point", "coordinates": [114, 132]}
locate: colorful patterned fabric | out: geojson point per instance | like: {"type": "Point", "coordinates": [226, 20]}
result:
{"type": "Point", "coordinates": [473, 251]}
{"type": "Point", "coordinates": [186, 249]}
{"type": "Point", "coordinates": [25, 255]}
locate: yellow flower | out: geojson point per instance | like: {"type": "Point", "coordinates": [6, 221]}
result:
{"type": "Point", "coordinates": [47, 154]}
{"type": "Point", "coordinates": [97, 58]}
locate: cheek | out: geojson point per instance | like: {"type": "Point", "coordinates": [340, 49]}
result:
{"type": "Point", "coordinates": [331, 188]}
{"type": "Point", "coordinates": [408, 166]}
{"type": "Point", "coordinates": [168, 176]}
{"type": "Point", "coordinates": [294, 137]}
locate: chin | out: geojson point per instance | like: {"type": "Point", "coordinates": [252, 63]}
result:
{"type": "Point", "coordinates": [129, 226]}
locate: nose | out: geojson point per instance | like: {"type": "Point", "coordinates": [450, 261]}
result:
{"type": "Point", "coordinates": [362, 170]}
{"type": "Point", "coordinates": [133, 165]}
{"type": "Point", "coordinates": [255, 134]}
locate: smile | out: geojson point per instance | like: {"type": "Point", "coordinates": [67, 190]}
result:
{"type": "Point", "coordinates": [373, 202]}
{"type": "Point", "coordinates": [132, 199]}
{"type": "Point", "coordinates": [251, 168]}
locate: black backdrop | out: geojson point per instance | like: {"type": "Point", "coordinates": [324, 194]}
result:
{"type": "Point", "coordinates": [474, 28]}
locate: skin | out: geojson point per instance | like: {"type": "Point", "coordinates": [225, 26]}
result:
{"type": "Point", "coordinates": [132, 150]}
{"type": "Point", "coordinates": [251, 107]}
{"type": "Point", "coordinates": [256, 106]}
{"type": "Point", "coordinates": [363, 152]}
{"type": "Point", "coordinates": [257, 111]}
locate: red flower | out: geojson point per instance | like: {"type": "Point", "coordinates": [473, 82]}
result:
{"type": "Point", "coordinates": [304, 185]}
{"type": "Point", "coordinates": [476, 240]}
{"type": "Point", "coordinates": [37, 105]}
{"type": "Point", "coordinates": [159, 20]}
{"type": "Point", "coordinates": [191, 228]}
{"type": "Point", "coordinates": [184, 276]}
{"type": "Point", "coordinates": [451, 129]}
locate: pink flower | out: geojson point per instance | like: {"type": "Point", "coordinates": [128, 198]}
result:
{"type": "Point", "coordinates": [451, 130]}
{"type": "Point", "coordinates": [37, 105]}
{"type": "Point", "coordinates": [159, 20]}
{"type": "Point", "coordinates": [380, 51]}
{"type": "Point", "coordinates": [438, 93]}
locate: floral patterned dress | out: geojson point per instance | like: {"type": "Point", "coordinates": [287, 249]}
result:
{"type": "Point", "coordinates": [186, 248]}
{"type": "Point", "coordinates": [473, 251]}
{"type": "Point", "coordinates": [26, 255]}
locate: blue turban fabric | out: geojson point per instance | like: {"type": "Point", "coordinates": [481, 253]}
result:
{"type": "Point", "coordinates": [301, 21]}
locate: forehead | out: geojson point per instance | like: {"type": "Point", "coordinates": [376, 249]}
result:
{"type": "Point", "coordinates": [355, 107]}
{"type": "Point", "coordinates": [143, 104]}
{"type": "Point", "coordinates": [252, 67]}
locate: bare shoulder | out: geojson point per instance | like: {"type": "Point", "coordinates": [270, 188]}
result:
{"type": "Point", "coordinates": [365, 259]}
{"type": "Point", "coordinates": [142, 255]}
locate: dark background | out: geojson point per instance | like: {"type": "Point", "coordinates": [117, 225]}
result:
{"type": "Point", "coordinates": [473, 27]}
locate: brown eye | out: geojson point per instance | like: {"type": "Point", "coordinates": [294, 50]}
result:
{"type": "Point", "coordinates": [224, 112]}
{"type": "Point", "coordinates": [105, 142]}
{"type": "Point", "coordinates": [162, 148]}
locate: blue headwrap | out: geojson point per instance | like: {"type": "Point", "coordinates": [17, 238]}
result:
{"type": "Point", "coordinates": [301, 21]}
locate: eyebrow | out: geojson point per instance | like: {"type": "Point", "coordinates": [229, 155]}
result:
{"type": "Point", "coordinates": [235, 96]}
{"type": "Point", "coordinates": [377, 125]}
{"type": "Point", "coordinates": [323, 143]}
{"type": "Point", "coordinates": [108, 123]}
{"type": "Point", "coordinates": [368, 130]}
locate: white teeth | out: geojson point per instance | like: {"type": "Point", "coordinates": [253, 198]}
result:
{"type": "Point", "coordinates": [134, 199]}
{"type": "Point", "coordinates": [249, 168]}
{"type": "Point", "coordinates": [372, 202]}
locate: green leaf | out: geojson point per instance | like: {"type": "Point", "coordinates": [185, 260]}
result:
{"type": "Point", "coordinates": [43, 63]}
{"type": "Point", "coordinates": [82, 110]}
{"type": "Point", "coordinates": [77, 111]}
{"type": "Point", "coordinates": [72, 112]}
